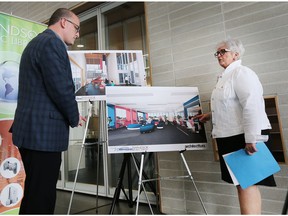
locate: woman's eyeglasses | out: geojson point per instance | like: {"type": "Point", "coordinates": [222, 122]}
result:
{"type": "Point", "coordinates": [221, 52]}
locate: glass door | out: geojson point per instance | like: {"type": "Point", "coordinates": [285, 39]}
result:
{"type": "Point", "coordinates": [110, 26]}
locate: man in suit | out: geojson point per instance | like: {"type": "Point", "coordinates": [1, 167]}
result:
{"type": "Point", "coordinates": [45, 110]}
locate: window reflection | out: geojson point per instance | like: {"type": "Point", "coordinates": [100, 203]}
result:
{"type": "Point", "coordinates": [91, 157]}
{"type": "Point", "coordinates": [125, 27]}
{"type": "Point", "coordinates": [88, 36]}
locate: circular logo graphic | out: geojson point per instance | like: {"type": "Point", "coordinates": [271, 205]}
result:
{"type": "Point", "coordinates": [10, 167]}
{"type": "Point", "coordinates": [11, 195]}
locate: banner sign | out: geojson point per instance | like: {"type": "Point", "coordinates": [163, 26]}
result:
{"type": "Point", "coordinates": [15, 34]}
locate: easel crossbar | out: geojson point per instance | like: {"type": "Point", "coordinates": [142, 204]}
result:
{"type": "Point", "coordinates": [166, 178]}
{"type": "Point", "coordinates": [140, 182]}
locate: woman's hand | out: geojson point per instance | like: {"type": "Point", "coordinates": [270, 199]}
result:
{"type": "Point", "coordinates": [203, 117]}
{"type": "Point", "coordinates": [250, 148]}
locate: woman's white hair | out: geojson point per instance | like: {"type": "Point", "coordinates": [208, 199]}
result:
{"type": "Point", "coordinates": [234, 45]}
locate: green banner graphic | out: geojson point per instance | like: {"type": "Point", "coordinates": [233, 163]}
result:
{"type": "Point", "coordinates": [15, 34]}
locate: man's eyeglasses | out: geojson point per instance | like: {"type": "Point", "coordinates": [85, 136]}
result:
{"type": "Point", "coordinates": [221, 52]}
{"type": "Point", "coordinates": [77, 28]}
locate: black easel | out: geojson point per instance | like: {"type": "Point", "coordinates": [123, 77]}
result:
{"type": "Point", "coordinates": [285, 207]}
{"type": "Point", "coordinates": [119, 187]}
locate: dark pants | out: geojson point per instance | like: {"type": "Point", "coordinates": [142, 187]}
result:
{"type": "Point", "coordinates": [234, 143]}
{"type": "Point", "coordinates": [42, 171]}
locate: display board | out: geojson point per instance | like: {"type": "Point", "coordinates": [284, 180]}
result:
{"type": "Point", "coordinates": [94, 70]}
{"type": "Point", "coordinates": [154, 119]}
{"type": "Point", "coordinates": [15, 33]}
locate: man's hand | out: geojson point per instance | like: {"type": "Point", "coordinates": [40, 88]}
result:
{"type": "Point", "coordinates": [81, 120]}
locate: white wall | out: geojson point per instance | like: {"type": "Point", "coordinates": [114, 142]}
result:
{"type": "Point", "coordinates": [182, 38]}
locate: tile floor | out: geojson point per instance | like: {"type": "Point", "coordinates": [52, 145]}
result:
{"type": "Point", "coordinates": [84, 204]}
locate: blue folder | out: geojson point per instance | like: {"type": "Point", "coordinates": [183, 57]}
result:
{"type": "Point", "coordinates": [250, 169]}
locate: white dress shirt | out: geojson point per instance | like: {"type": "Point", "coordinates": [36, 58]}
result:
{"type": "Point", "coordinates": [237, 104]}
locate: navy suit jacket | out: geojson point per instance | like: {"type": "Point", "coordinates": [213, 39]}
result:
{"type": "Point", "coordinates": [46, 104]}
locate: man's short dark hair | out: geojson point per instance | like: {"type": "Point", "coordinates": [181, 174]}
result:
{"type": "Point", "coordinates": [58, 14]}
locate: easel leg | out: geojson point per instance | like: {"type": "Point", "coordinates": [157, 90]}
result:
{"type": "Point", "coordinates": [97, 175]}
{"type": "Point", "coordinates": [75, 180]}
{"type": "Point", "coordinates": [285, 207]}
{"type": "Point", "coordinates": [119, 186]}
{"type": "Point", "coordinates": [137, 164]}
{"type": "Point", "coordinates": [139, 182]}
{"type": "Point", "coordinates": [142, 184]}
{"type": "Point", "coordinates": [129, 181]}
{"type": "Point", "coordinates": [80, 156]}
{"type": "Point", "coordinates": [190, 175]}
